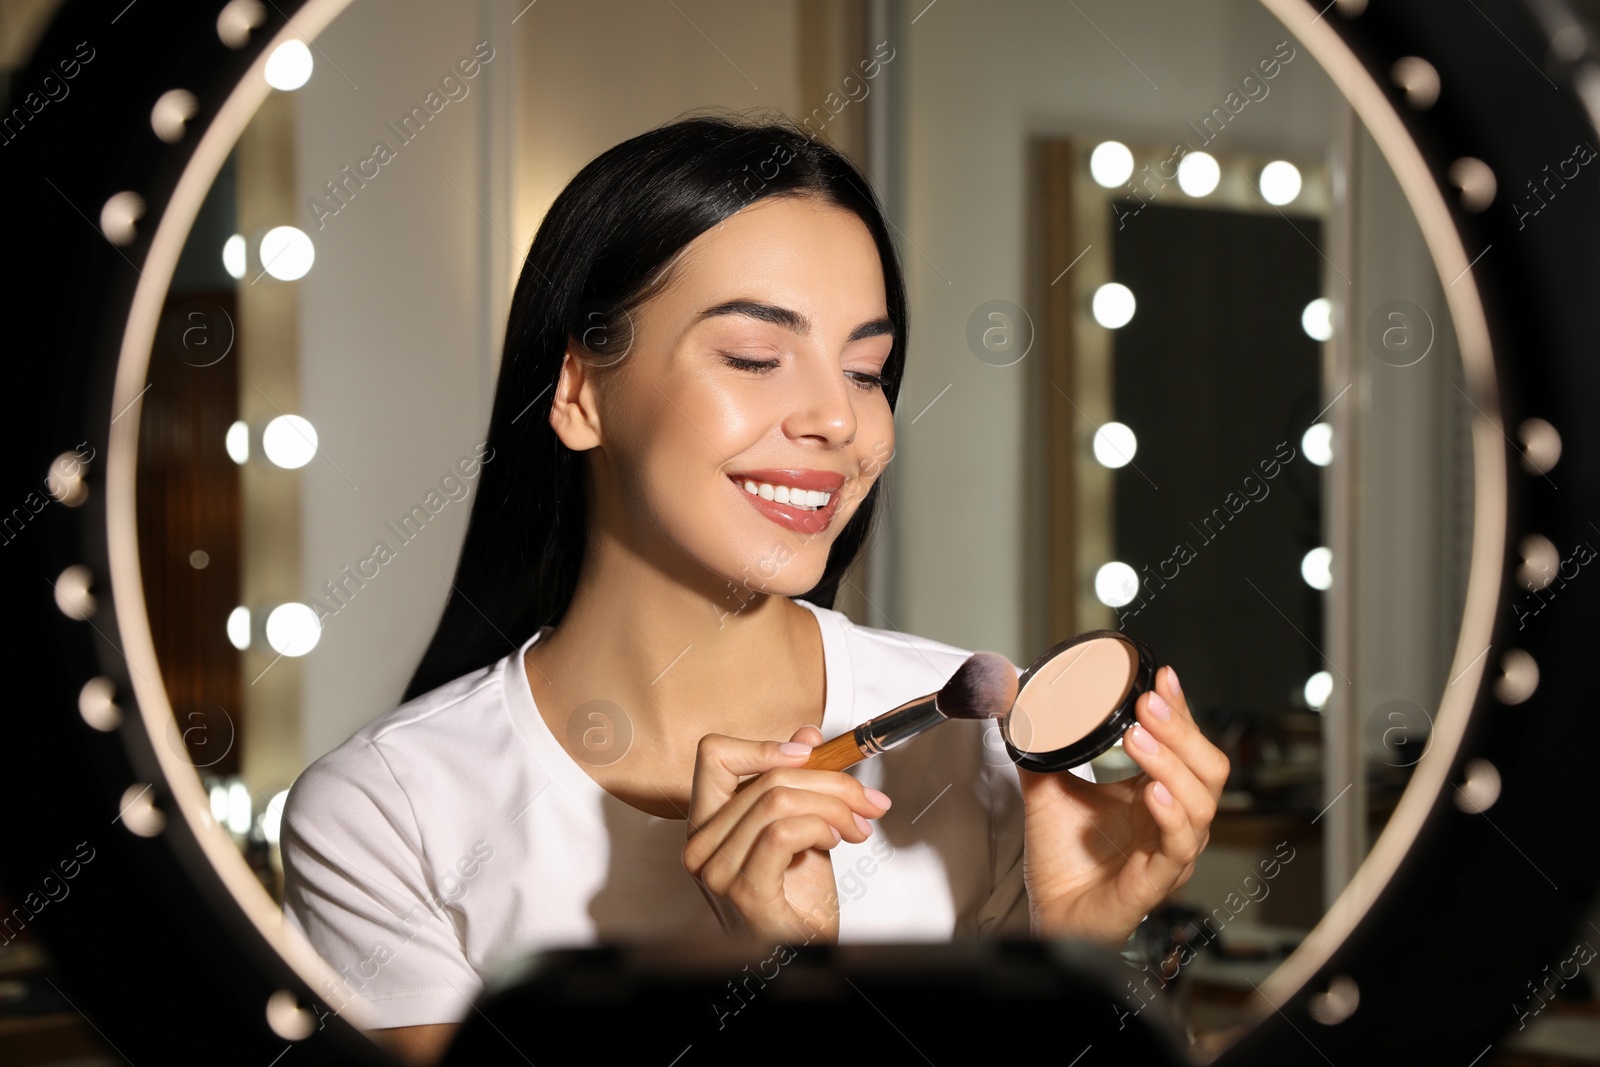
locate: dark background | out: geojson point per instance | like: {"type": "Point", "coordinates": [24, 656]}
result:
{"type": "Point", "coordinates": [1213, 373]}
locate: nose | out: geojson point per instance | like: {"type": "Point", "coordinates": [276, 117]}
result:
{"type": "Point", "coordinates": [822, 407]}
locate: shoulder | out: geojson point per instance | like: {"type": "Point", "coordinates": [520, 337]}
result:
{"type": "Point", "coordinates": [366, 770]}
{"type": "Point", "coordinates": [890, 665]}
{"type": "Point", "coordinates": [891, 646]}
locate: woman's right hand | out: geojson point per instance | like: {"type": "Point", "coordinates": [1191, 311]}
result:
{"type": "Point", "coordinates": [758, 849]}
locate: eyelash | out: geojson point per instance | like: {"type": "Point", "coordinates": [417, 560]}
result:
{"type": "Point", "coordinates": [864, 381]}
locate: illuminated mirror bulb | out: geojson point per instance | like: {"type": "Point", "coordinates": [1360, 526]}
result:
{"type": "Point", "coordinates": [1280, 182]}
{"type": "Point", "coordinates": [1113, 305]}
{"type": "Point", "coordinates": [239, 627]}
{"type": "Point", "coordinates": [286, 253]}
{"type": "Point", "coordinates": [237, 442]}
{"type": "Point", "coordinates": [1317, 319]}
{"type": "Point", "coordinates": [1198, 174]}
{"type": "Point", "coordinates": [1317, 444]}
{"type": "Point", "coordinates": [1114, 445]}
{"type": "Point", "coordinates": [233, 250]}
{"type": "Point", "coordinates": [293, 629]}
{"type": "Point", "coordinates": [289, 441]}
{"type": "Point", "coordinates": [1111, 164]}
{"type": "Point", "coordinates": [1319, 687]}
{"type": "Point", "coordinates": [289, 66]}
{"type": "Point", "coordinates": [238, 817]}
{"type": "Point", "coordinates": [1116, 584]}
{"type": "Point", "coordinates": [1317, 568]}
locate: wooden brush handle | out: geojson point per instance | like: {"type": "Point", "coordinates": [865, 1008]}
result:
{"type": "Point", "coordinates": [835, 755]}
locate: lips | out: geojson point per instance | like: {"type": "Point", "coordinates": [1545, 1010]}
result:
{"type": "Point", "coordinates": [822, 481]}
{"type": "Point", "coordinates": [801, 520]}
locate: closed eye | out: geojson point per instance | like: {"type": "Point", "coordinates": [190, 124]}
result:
{"type": "Point", "coordinates": [864, 381]}
{"type": "Point", "coordinates": [740, 363]}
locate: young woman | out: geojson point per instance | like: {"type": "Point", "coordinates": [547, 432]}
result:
{"type": "Point", "coordinates": [606, 736]}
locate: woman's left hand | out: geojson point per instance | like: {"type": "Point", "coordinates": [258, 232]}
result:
{"type": "Point", "coordinates": [1099, 856]}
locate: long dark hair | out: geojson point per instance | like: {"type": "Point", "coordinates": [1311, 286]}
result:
{"type": "Point", "coordinates": [607, 245]}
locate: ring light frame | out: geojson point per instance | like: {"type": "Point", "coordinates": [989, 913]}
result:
{"type": "Point", "coordinates": [1480, 879]}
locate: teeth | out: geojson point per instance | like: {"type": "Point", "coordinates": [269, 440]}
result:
{"type": "Point", "coordinates": [783, 494]}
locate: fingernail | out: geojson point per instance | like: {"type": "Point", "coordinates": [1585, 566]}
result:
{"type": "Point", "coordinates": [1142, 738]}
{"type": "Point", "coordinates": [1162, 794]}
{"type": "Point", "coordinates": [794, 748]}
{"type": "Point", "coordinates": [1172, 676]}
{"type": "Point", "coordinates": [1158, 707]}
{"type": "Point", "coordinates": [866, 827]}
{"type": "Point", "coordinates": [837, 836]}
{"type": "Point", "coordinates": [878, 797]}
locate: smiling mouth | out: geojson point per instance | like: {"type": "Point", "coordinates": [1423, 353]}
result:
{"type": "Point", "coordinates": [801, 500]}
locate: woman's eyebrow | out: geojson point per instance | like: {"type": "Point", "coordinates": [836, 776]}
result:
{"type": "Point", "coordinates": [789, 319]}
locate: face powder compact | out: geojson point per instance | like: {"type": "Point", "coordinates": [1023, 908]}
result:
{"type": "Point", "coordinates": [1074, 702]}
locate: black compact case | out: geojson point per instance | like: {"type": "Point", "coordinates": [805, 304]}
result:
{"type": "Point", "coordinates": [1104, 735]}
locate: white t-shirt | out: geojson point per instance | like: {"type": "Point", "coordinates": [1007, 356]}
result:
{"type": "Point", "coordinates": [457, 827]}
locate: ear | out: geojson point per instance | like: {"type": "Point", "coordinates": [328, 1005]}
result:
{"type": "Point", "coordinates": [573, 413]}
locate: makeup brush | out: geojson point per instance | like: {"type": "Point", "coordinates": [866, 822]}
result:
{"type": "Point", "coordinates": [984, 687]}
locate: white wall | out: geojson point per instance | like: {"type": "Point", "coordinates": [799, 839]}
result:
{"type": "Point", "coordinates": [403, 314]}
{"type": "Point", "coordinates": [596, 73]}
{"type": "Point", "coordinates": [395, 349]}
{"type": "Point", "coordinates": [978, 82]}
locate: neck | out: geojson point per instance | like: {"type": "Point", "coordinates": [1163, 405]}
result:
{"type": "Point", "coordinates": [682, 659]}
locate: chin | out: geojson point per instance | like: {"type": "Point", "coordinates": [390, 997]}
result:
{"type": "Point", "coordinates": [778, 548]}
{"type": "Point", "coordinates": [782, 571]}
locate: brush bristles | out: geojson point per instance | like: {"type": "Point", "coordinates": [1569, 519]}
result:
{"type": "Point", "coordinates": [984, 687]}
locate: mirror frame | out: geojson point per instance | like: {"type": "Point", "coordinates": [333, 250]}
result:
{"type": "Point", "coordinates": [166, 885]}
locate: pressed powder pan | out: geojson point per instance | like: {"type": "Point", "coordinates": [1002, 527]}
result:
{"type": "Point", "coordinates": [1075, 700]}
